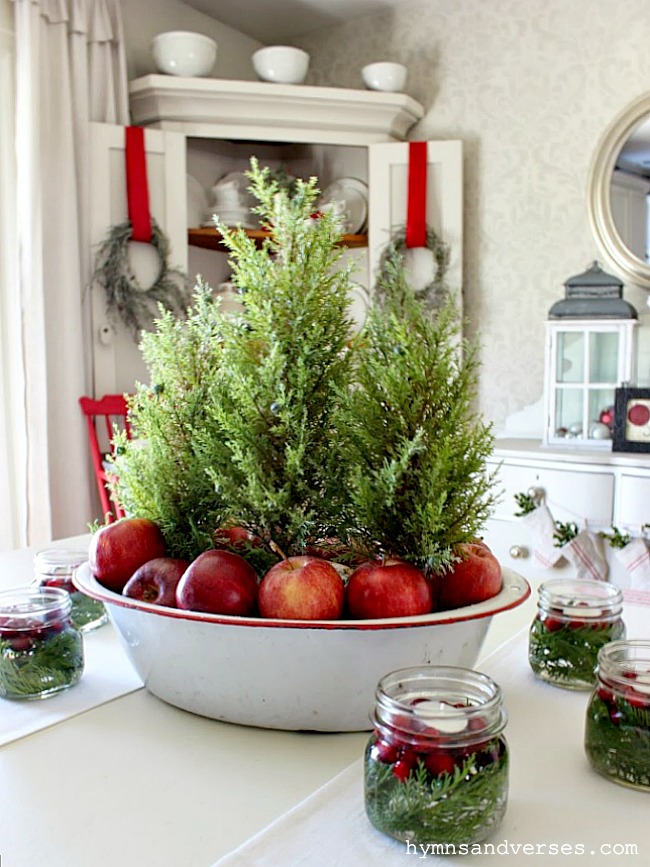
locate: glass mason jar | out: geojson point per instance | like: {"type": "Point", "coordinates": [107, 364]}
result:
{"type": "Point", "coordinates": [575, 618]}
{"type": "Point", "coordinates": [41, 652]}
{"type": "Point", "coordinates": [617, 727]}
{"type": "Point", "coordinates": [54, 567]}
{"type": "Point", "coordinates": [436, 765]}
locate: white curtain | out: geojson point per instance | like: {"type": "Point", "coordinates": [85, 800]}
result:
{"type": "Point", "coordinates": [70, 69]}
{"type": "Point", "coordinates": [12, 418]}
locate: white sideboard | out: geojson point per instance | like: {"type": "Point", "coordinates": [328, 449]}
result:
{"type": "Point", "coordinates": [595, 490]}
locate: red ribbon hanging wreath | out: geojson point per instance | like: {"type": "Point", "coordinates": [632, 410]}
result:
{"type": "Point", "coordinates": [416, 214]}
{"type": "Point", "coordinates": [137, 190]}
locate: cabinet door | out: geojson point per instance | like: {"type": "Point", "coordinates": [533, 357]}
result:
{"type": "Point", "coordinates": [388, 181]}
{"type": "Point", "coordinates": [117, 361]}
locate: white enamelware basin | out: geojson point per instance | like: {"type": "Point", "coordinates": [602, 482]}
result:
{"type": "Point", "coordinates": [289, 674]}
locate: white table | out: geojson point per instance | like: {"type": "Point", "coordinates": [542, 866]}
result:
{"type": "Point", "coordinates": [135, 782]}
{"type": "Point", "coordinates": [560, 811]}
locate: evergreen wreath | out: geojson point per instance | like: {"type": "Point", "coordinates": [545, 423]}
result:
{"type": "Point", "coordinates": [436, 293]}
{"type": "Point", "coordinates": [126, 300]}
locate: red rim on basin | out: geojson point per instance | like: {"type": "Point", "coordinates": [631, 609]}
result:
{"type": "Point", "coordinates": [515, 590]}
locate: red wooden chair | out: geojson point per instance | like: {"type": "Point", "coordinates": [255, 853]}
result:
{"type": "Point", "coordinates": [102, 416]}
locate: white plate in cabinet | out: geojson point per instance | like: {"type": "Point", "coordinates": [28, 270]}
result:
{"type": "Point", "coordinates": [571, 495]}
{"type": "Point", "coordinates": [633, 501]}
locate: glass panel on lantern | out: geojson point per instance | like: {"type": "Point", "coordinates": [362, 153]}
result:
{"type": "Point", "coordinates": [570, 356]}
{"type": "Point", "coordinates": [603, 356]}
{"type": "Point", "coordinates": [601, 413]}
{"type": "Point", "coordinates": [569, 413]}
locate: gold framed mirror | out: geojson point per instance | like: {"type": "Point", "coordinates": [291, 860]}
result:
{"type": "Point", "coordinates": [621, 135]}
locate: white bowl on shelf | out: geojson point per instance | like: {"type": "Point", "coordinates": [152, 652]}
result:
{"type": "Point", "coordinates": [288, 674]}
{"type": "Point", "coordinates": [281, 64]}
{"type": "Point", "coordinates": [180, 52]}
{"type": "Point", "coordinates": [384, 75]}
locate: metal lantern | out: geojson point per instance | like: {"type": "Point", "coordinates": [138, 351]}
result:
{"type": "Point", "coordinates": [590, 351]}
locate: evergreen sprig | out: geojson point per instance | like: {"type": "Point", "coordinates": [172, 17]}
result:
{"type": "Point", "coordinates": [284, 369]}
{"type": "Point", "coordinates": [564, 533]}
{"type": "Point", "coordinates": [616, 538]}
{"type": "Point", "coordinates": [417, 453]}
{"type": "Point", "coordinates": [526, 504]}
{"type": "Point", "coordinates": [570, 652]}
{"type": "Point", "coordinates": [52, 663]}
{"type": "Point", "coordinates": [161, 474]}
{"type": "Point", "coordinates": [461, 807]}
{"type": "Point", "coordinates": [617, 740]}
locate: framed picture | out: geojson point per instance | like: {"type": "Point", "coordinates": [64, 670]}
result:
{"type": "Point", "coordinates": [631, 420]}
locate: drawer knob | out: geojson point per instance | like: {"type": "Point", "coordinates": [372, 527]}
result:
{"type": "Point", "coordinates": [537, 495]}
{"type": "Point", "coordinates": [518, 552]}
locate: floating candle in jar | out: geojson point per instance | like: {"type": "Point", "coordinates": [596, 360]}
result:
{"type": "Point", "coordinates": [447, 717]}
{"type": "Point", "coordinates": [54, 567]}
{"type": "Point", "coordinates": [617, 726]}
{"type": "Point", "coordinates": [436, 766]}
{"type": "Point", "coordinates": [575, 618]}
{"type": "Point", "coordinates": [41, 653]}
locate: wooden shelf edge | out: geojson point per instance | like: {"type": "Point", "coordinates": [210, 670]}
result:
{"type": "Point", "coordinates": [210, 239]}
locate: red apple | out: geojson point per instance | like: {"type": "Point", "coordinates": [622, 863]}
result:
{"type": "Point", "coordinates": [475, 578]}
{"type": "Point", "coordinates": [218, 582]}
{"type": "Point", "coordinates": [302, 588]}
{"type": "Point", "coordinates": [118, 549]}
{"type": "Point", "coordinates": [236, 538]}
{"type": "Point", "coordinates": [156, 581]}
{"type": "Point", "coordinates": [387, 588]}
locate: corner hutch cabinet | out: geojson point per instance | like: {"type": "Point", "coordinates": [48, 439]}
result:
{"type": "Point", "coordinates": [200, 129]}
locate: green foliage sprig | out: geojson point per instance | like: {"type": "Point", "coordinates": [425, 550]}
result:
{"type": "Point", "coordinates": [51, 664]}
{"type": "Point", "coordinates": [417, 453]}
{"type": "Point", "coordinates": [285, 371]}
{"type": "Point", "coordinates": [564, 533]}
{"type": "Point", "coordinates": [616, 538]}
{"type": "Point", "coordinates": [526, 504]}
{"type": "Point", "coordinates": [161, 474]}
{"type": "Point", "coordinates": [451, 808]}
{"type": "Point", "coordinates": [570, 652]}
{"type": "Point", "coordinates": [617, 740]}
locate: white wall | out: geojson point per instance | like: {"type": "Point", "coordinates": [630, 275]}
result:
{"type": "Point", "coordinates": [143, 19]}
{"type": "Point", "coordinates": [530, 87]}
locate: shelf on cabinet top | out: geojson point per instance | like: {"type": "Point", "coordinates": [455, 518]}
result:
{"type": "Point", "coordinates": [210, 239]}
{"type": "Point", "coordinates": [261, 111]}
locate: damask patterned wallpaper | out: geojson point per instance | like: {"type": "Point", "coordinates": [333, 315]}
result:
{"type": "Point", "coordinates": [530, 86]}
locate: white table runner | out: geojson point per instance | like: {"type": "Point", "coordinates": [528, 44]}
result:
{"type": "Point", "coordinates": [107, 674]}
{"type": "Point", "coordinates": [555, 798]}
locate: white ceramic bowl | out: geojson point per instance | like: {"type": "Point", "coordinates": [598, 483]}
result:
{"type": "Point", "coordinates": [180, 52]}
{"type": "Point", "coordinates": [288, 674]}
{"type": "Point", "coordinates": [386, 76]}
{"type": "Point", "coordinates": [281, 64]}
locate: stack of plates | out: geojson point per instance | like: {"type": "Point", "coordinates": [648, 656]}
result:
{"type": "Point", "coordinates": [347, 197]}
{"type": "Point", "coordinates": [233, 201]}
